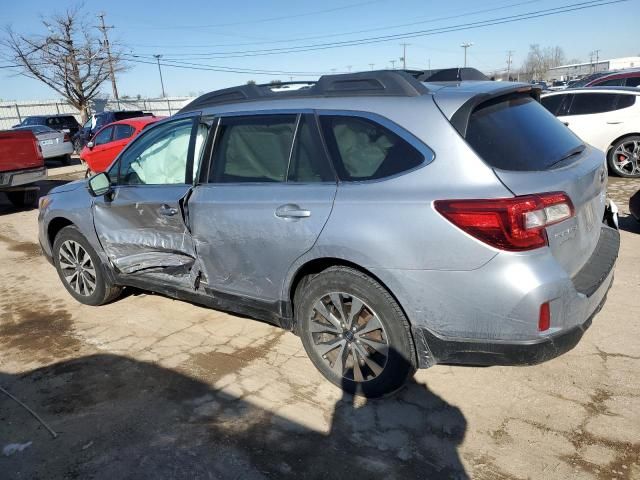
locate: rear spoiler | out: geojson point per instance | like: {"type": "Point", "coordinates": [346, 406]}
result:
{"type": "Point", "coordinates": [460, 119]}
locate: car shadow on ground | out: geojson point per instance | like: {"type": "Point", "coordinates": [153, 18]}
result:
{"type": "Point", "coordinates": [121, 418]}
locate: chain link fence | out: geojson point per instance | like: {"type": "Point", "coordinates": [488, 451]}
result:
{"type": "Point", "coordinates": [12, 113]}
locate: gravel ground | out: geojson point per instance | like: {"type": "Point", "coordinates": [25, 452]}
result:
{"type": "Point", "coordinates": [149, 387]}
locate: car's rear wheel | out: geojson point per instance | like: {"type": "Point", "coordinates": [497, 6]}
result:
{"type": "Point", "coordinates": [80, 269]}
{"type": "Point", "coordinates": [354, 331]}
{"type": "Point", "coordinates": [624, 157]}
{"type": "Point", "coordinates": [23, 198]}
{"type": "Point", "coordinates": [66, 159]}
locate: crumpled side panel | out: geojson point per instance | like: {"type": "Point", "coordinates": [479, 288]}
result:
{"type": "Point", "coordinates": [153, 260]}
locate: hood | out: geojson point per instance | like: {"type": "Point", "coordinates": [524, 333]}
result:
{"type": "Point", "coordinates": [68, 187]}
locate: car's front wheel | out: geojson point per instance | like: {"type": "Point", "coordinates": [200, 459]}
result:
{"type": "Point", "coordinates": [354, 331]}
{"type": "Point", "coordinates": [80, 269]}
{"type": "Point", "coordinates": [624, 157]}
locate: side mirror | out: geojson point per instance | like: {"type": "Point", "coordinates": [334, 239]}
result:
{"type": "Point", "coordinates": [90, 145]}
{"type": "Point", "coordinates": [99, 185]}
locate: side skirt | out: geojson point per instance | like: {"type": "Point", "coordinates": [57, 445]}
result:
{"type": "Point", "coordinates": [276, 313]}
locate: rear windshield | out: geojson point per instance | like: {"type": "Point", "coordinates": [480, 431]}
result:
{"type": "Point", "coordinates": [517, 133]}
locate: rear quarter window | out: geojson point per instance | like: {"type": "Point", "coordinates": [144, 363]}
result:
{"type": "Point", "coordinates": [591, 103]}
{"type": "Point", "coordinates": [517, 133]}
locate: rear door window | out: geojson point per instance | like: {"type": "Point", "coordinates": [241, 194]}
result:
{"type": "Point", "coordinates": [625, 101]}
{"type": "Point", "coordinates": [365, 150]}
{"type": "Point", "coordinates": [253, 149]}
{"type": "Point", "coordinates": [591, 103]}
{"type": "Point", "coordinates": [309, 163]}
{"type": "Point", "coordinates": [633, 82]}
{"type": "Point", "coordinates": [517, 133]}
{"type": "Point", "coordinates": [614, 82]}
{"type": "Point", "coordinates": [121, 131]}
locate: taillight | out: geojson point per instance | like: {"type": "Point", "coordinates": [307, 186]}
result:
{"type": "Point", "coordinates": [513, 224]}
{"type": "Point", "coordinates": [66, 138]}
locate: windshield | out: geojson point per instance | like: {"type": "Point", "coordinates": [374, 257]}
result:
{"type": "Point", "coordinates": [517, 133]}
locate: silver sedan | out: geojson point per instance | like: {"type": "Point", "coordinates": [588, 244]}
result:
{"type": "Point", "coordinates": [54, 144]}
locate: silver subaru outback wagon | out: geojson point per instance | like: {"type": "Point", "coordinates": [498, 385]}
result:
{"type": "Point", "coordinates": [391, 223]}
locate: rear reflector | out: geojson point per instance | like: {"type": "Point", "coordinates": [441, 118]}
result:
{"type": "Point", "coordinates": [513, 224]}
{"type": "Point", "coordinates": [544, 322]}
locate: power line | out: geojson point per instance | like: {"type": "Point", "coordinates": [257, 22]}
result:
{"type": "Point", "coordinates": [263, 20]}
{"type": "Point", "coordinates": [341, 34]}
{"type": "Point", "coordinates": [420, 33]}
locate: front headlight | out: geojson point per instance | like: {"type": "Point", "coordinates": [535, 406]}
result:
{"type": "Point", "coordinates": [43, 202]}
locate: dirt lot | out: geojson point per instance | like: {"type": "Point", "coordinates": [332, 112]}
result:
{"type": "Point", "coordinates": [148, 387]}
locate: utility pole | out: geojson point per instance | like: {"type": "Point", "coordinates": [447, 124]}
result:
{"type": "Point", "coordinates": [103, 28]}
{"type": "Point", "coordinates": [158, 57]}
{"type": "Point", "coordinates": [404, 55]}
{"type": "Point", "coordinates": [591, 62]}
{"type": "Point", "coordinates": [371, 65]}
{"type": "Point", "coordinates": [429, 63]}
{"type": "Point", "coordinates": [393, 64]}
{"type": "Point", "coordinates": [509, 55]}
{"type": "Point", "coordinates": [597, 52]}
{"type": "Point", "coordinates": [466, 45]}
{"type": "Point", "coordinates": [349, 68]}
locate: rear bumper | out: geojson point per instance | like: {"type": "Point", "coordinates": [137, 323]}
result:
{"type": "Point", "coordinates": [22, 177]}
{"type": "Point", "coordinates": [490, 315]}
{"type": "Point", "coordinates": [433, 349]}
{"type": "Point", "coordinates": [52, 151]}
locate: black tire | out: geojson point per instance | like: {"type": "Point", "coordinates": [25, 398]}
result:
{"type": "Point", "coordinates": [23, 198]}
{"type": "Point", "coordinates": [400, 363]}
{"type": "Point", "coordinates": [66, 159]}
{"type": "Point", "coordinates": [104, 291]}
{"type": "Point", "coordinates": [613, 167]}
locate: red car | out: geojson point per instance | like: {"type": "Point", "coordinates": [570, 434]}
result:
{"type": "Point", "coordinates": [105, 146]}
{"type": "Point", "coordinates": [21, 165]}
{"type": "Point", "coordinates": [622, 78]}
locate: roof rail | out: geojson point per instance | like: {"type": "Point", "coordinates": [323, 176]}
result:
{"type": "Point", "coordinates": [373, 83]}
{"type": "Point", "coordinates": [452, 75]}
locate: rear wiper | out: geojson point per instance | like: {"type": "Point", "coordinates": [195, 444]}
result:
{"type": "Point", "coordinates": [574, 151]}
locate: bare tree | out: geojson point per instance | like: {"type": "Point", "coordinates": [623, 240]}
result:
{"type": "Point", "coordinates": [539, 60]}
{"type": "Point", "coordinates": [69, 58]}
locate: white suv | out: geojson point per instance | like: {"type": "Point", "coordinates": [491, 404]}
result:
{"type": "Point", "coordinates": [607, 118]}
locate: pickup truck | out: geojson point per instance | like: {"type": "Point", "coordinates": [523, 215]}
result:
{"type": "Point", "coordinates": [21, 165]}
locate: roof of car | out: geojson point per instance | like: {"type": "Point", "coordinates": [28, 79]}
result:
{"type": "Point", "coordinates": [380, 84]}
{"type": "Point", "coordinates": [138, 121]}
{"type": "Point", "coordinates": [52, 115]}
{"type": "Point", "coordinates": [630, 90]}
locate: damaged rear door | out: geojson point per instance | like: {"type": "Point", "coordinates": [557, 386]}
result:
{"type": "Point", "coordinates": [142, 224]}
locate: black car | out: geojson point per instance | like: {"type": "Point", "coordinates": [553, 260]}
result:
{"type": "Point", "coordinates": [66, 123]}
{"type": "Point", "coordinates": [99, 120]}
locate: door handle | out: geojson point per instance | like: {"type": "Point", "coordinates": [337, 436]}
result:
{"type": "Point", "coordinates": [167, 211]}
{"type": "Point", "coordinates": [614, 123]}
{"type": "Point", "coordinates": [292, 211]}
{"type": "Point", "coordinates": [566, 124]}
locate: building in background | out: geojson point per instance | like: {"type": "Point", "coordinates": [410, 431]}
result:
{"type": "Point", "coordinates": [567, 72]}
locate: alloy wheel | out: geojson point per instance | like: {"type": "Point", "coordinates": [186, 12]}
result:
{"type": "Point", "coordinates": [349, 336]}
{"type": "Point", "coordinates": [626, 158]}
{"type": "Point", "coordinates": [77, 268]}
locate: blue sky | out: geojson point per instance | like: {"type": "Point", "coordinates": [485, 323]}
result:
{"type": "Point", "coordinates": [203, 31]}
